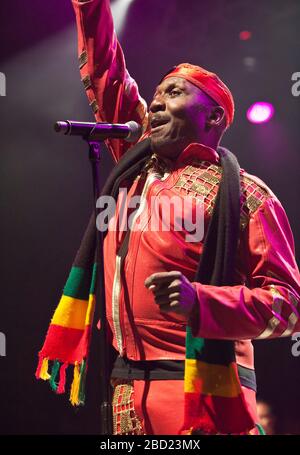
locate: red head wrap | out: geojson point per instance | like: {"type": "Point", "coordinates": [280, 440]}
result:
{"type": "Point", "coordinates": [210, 83]}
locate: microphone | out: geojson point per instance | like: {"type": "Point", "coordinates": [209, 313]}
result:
{"type": "Point", "coordinates": [130, 131]}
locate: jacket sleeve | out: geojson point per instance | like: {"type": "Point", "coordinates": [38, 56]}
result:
{"type": "Point", "coordinates": [113, 95]}
{"type": "Point", "coordinates": [266, 305]}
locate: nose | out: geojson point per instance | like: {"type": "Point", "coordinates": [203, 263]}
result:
{"type": "Point", "coordinates": [157, 104]}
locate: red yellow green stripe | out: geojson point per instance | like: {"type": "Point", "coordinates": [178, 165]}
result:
{"type": "Point", "coordinates": [219, 380]}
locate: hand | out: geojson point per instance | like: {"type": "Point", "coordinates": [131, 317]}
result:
{"type": "Point", "coordinates": [172, 292]}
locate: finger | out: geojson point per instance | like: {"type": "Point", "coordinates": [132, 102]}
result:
{"type": "Point", "coordinates": [166, 287]}
{"type": "Point", "coordinates": [162, 301]}
{"type": "Point", "coordinates": [162, 277]}
{"type": "Point", "coordinates": [172, 291]}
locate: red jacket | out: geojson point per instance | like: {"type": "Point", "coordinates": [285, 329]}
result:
{"type": "Point", "coordinates": [265, 302]}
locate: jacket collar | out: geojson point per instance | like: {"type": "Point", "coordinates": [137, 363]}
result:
{"type": "Point", "coordinates": [192, 152]}
{"type": "Point", "coordinates": [196, 151]}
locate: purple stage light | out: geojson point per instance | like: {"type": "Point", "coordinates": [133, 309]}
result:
{"type": "Point", "coordinates": [260, 112]}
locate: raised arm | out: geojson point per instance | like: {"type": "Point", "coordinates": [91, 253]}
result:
{"type": "Point", "coordinates": [113, 95]}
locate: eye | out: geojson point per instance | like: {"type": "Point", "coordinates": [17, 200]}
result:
{"type": "Point", "coordinates": [175, 92]}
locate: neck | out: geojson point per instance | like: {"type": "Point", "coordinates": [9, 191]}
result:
{"type": "Point", "coordinates": [212, 142]}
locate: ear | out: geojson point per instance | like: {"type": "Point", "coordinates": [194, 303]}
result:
{"type": "Point", "coordinates": [216, 116]}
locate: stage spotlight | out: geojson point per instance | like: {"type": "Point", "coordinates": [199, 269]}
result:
{"type": "Point", "coordinates": [260, 112]}
{"type": "Point", "coordinates": [119, 10]}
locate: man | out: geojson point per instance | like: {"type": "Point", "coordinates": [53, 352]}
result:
{"type": "Point", "coordinates": [151, 291]}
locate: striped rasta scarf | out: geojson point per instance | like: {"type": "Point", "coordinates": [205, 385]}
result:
{"type": "Point", "coordinates": [214, 402]}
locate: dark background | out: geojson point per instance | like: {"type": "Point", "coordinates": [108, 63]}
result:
{"type": "Point", "coordinates": [45, 178]}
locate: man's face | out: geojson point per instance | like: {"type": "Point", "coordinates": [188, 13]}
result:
{"type": "Point", "coordinates": [178, 116]}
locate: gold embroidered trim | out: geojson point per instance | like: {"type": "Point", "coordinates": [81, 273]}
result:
{"type": "Point", "coordinates": [83, 58]}
{"type": "Point", "coordinates": [94, 106]}
{"type": "Point", "coordinates": [252, 198]}
{"type": "Point", "coordinates": [207, 177]}
{"type": "Point", "coordinates": [116, 304]}
{"type": "Point", "coordinates": [125, 418]}
{"type": "Point", "coordinates": [293, 317]}
{"type": "Point", "coordinates": [274, 321]}
{"type": "Point", "coordinates": [200, 189]}
{"type": "Point", "coordinates": [86, 82]}
{"type": "Point", "coordinates": [200, 178]}
{"type": "Point", "coordinates": [253, 202]}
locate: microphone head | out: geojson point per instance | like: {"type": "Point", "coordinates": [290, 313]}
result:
{"type": "Point", "coordinates": [135, 131]}
{"type": "Point", "coordinates": [62, 127]}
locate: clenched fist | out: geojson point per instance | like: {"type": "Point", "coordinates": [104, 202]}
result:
{"type": "Point", "coordinates": [172, 292]}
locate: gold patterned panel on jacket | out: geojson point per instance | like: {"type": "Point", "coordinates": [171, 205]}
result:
{"type": "Point", "coordinates": [252, 197]}
{"type": "Point", "coordinates": [202, 178]}
{"type": "Point", "coordinates": [125, 419]}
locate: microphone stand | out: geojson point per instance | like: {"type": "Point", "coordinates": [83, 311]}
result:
{"type": "Point", "coordinates": [103, 356]}
{"type": "Point", "coordinates": [94, 134]}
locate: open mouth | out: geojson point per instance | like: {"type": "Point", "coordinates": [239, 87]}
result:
{"type": "Point", "coordinates": [157, 123]}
